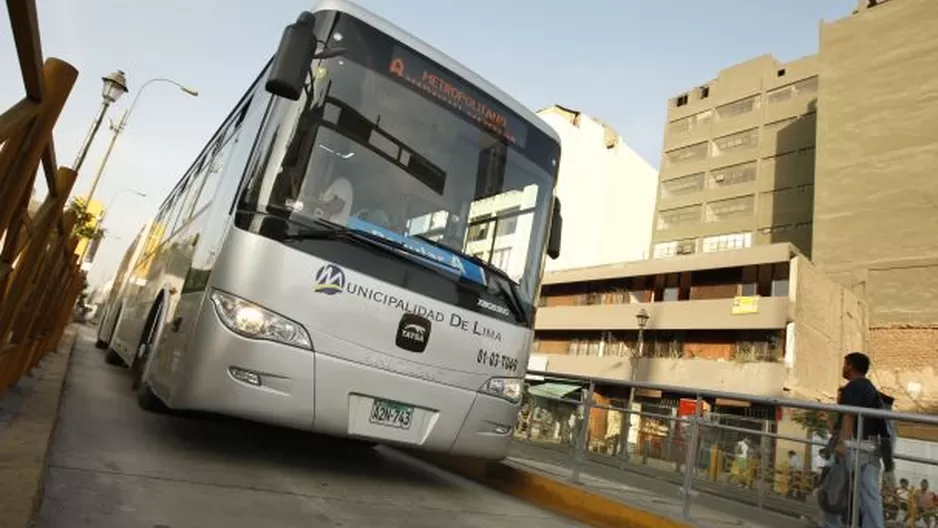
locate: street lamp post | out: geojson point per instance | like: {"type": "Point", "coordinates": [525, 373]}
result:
{"type": "Point", "coordinates": [122, 123]}
{"type": "Point", "coordinates": [115, 85]}
{"type": "Point", "coordinates": [641, 318]}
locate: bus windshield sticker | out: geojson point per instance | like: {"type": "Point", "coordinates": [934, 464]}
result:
{"type": "Point", "coordinates": [429, 79]}
{"type": "Point", "coordinates": [449, 261]}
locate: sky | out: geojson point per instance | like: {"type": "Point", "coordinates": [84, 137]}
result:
{"type": "Point", "coordinates": [618, 60]}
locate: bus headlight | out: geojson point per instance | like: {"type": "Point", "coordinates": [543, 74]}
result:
{"type": "Point", "coordinates": [505, 388]}
{"type": "Point", "coordinates": [250, 320]}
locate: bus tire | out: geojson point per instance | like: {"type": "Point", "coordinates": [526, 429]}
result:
{"type": "Point", "coordinates": [114, 359]}
{"type": "Point", "coordinates": [148, 401]}
{"type": "Point", "coordinates": [358, 443]}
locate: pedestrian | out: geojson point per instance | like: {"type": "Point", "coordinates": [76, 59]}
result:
{"type": "Point", "coordinates": [860, 392]}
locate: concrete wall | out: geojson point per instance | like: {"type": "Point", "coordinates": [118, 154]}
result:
{"type": "Point", "coordinates": [876, 201]}
{"type": "Point", "coordinates": [758, 378]}
{"type": "Point", "coordinates": [876, 204]}
{"type": "Point", "coordinates": [829, 321]}
{"type": "Point", "coordinates": [607, 193]}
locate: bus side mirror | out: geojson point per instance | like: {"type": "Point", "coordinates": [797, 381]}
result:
{"type": "Point", "coordinates": [292, 62]}
{"type": "Point", "coordinates": [556, 229]}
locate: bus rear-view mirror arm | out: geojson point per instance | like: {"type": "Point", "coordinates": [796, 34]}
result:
{"type": "Point", "coordinates": [296, 51]}
{"type": "Point", "coordinates": [556, 229]}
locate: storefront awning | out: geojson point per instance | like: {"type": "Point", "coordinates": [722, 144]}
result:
{"type": "Point", "coordinates": [553, 390]}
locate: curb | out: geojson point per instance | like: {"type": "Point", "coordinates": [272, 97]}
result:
{"type": "Point", "coordinates": [563, 498]}
{"type": "Point", "coordinates": [24, 444]}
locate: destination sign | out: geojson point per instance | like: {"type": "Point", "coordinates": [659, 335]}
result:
{"type": "Point", "coordinates": [424, 76]}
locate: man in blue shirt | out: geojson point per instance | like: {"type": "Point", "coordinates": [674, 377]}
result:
{"type": "Point", "coordinates": [860, 392]}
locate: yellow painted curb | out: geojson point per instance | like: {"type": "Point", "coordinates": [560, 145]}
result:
{"type": "Point", "coordinates": [24, 444]}
{"type": "Point", "coordinates": [563, 498]}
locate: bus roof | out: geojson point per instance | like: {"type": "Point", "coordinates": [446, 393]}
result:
{"type": "Point", "coordinates": [436, 55]}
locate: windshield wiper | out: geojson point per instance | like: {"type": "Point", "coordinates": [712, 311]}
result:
{"type": "Point", "coordinates": [328, 230]}
{"type": "Point", "coordinates": [509, 293]}
{"type": "Point", "coordinates": [471, 258]}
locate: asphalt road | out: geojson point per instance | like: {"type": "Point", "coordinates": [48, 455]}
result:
{"type": "Point", "coordinates": [113, 465]}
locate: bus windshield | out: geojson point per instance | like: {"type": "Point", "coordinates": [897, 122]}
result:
{"type": "Point", "coordinates": [385, 141]}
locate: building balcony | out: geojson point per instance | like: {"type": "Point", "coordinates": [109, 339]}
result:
{"type": "Point", "coordinates": [757, 378]}
{"type": "Point", "coordinates": [713, 314]}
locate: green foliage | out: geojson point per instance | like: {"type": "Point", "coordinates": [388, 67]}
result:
{"type": "Point", "coordinates": [83, 296]}
{"type": "Point", "coordinates": [815, 422]}
{"type": "Point", "coordinates": [86, 225]}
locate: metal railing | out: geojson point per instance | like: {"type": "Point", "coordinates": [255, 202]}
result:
{"type": "Point", "coordinates": [39, 276]}
{"type": "Point", "coordinates": [696, 451]}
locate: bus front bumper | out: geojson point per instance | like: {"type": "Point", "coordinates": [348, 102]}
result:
{"type": "Point", "coordinates": [282, 385]}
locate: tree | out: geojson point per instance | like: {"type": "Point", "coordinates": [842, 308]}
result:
{"type": "Point", "coordinates": [814, 421]}
{"type": "Point", "coordinates": [86, 224]}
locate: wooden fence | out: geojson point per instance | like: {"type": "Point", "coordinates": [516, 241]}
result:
{"type": "Point", "coordinates": [40, 279]}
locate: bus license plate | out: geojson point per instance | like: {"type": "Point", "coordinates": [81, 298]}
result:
{"type": "Point", "coordinates": [391, 414]}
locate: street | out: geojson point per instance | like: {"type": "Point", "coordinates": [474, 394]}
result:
{"type": "Point", "coordinates": [114, 465]}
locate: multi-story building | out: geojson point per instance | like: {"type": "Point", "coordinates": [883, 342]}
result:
{"type": "Point", "coordinates": [723, 321]}
{"type": "Point", "coordinates": [758, 321]}
{"type": "Point", "coordinates": [737, 168]}
{"type": "Point", "coordinates": [876, 199]}
{"type": "Point", "coordinates": [606, 190]}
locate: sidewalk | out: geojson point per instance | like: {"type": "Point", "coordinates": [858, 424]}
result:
{"type": "Point", "coordinates": [28, 412]}
{"type": "Point", "coordinates": [640, 488]}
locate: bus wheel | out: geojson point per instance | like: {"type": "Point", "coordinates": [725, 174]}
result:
{"type": "Point", "coordinates": [114, 359]}
{"type": "Point", "coordinates": [146, 399]}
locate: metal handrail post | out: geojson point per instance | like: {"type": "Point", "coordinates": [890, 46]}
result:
{"type": "Point", "coordinates": [764, 444]}
{"type": "Point", "coordinates": [690, 458]}
{"type": "Point", "coordinates": [579, 454]}
{"type": "Point", "coordinates": [856, 477]}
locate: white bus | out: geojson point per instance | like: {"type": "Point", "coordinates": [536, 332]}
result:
{"type": "Point", "coordinates": [126, 272]}
{"type": "Point", "coordinates": [357, 251]}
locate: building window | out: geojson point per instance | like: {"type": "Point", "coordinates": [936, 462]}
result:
{"type": "Point", "coordinates": [740, 207]}
{"type": "Point", "coordinates": [500, 258]}
{"type": "Point", "coordinates": [732, 175]}
{"type": "Point", "coordinates": [803, 87]}
{"type": "Point", "coordinates": [583, 347]}
{"type": "Point", "coordinates": [760, 345]}
{"type": "Point", "coordinates": [480, 231]}
{"type": "Point", "coordinates": [687, 154]}
{"type": "Point", "coordinates": [689, 123]}
{"type": "Point", "coordinates": [506, 226]}
{"type": "Point", "coordinates": [615, 297]}
{"type": "Point", "coordinates": [680, 216]}
{"type": "Point", "coordinates": [746, 139]}
{"type": "Point", "coordinates": [665, 344]}
{"type": "Point", "coordinates": [687, 246]}
{"type": "Point", "coordinates": [789, 199]}
{"type": "Point", "coordinates": [725, 242]}
{"type": "Point", "coordinates": [681, 100]}
{"type": "Point", "coordinates": [780, 280]}
{"type": "Point", "coordinates": [738, 108]}
{"type": "Point", "coordinates": [682, 186]}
